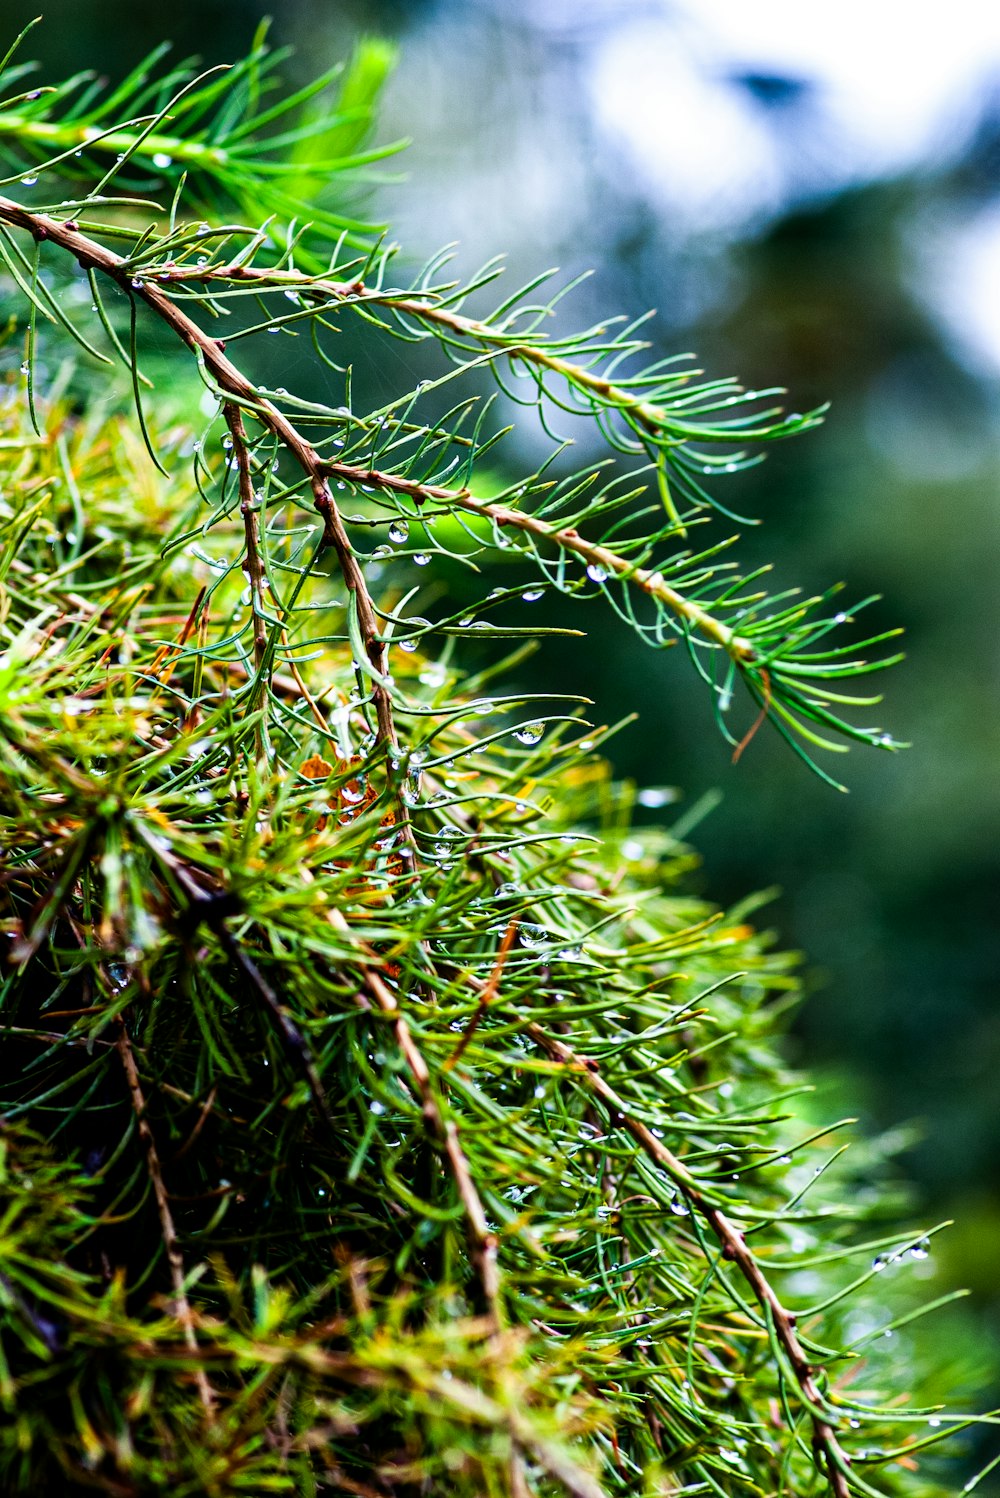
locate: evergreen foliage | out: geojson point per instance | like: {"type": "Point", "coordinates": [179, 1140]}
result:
{"type": "Point", "coordinates": [380, 1113]}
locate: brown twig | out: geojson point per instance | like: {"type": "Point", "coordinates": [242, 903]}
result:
{"type": "Point", "coordinates": [765, 708]}
{"type": "Point", "coordinates": [483, 1241]}
{"type": "Point", "coordinates": [207, 1108]}
{"type": "Point", "coordinates": [249, 506]}
{"type": "Point", "coordinates": [486, 996]}
{"type": "Point", "coordinates": [734, 1249]}
{"type": "Point", "coordinates": [175, 1259]}
{"type": "Point", "coordinates": [163, 662]}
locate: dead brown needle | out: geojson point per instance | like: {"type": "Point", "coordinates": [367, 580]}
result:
{"type": "Point", "coordinates": [487, 995]}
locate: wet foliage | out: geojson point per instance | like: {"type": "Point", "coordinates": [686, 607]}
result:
{"type": "Point", "coordinates": [380, 1113]}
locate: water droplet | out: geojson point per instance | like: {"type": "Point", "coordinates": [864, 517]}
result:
{"type": "Point", "coordinates": [398, 532]}
{"type": "Point", "coordinates": [30, 180]}
{"type": "Point", "coordinates": [854, 1424]}
{"type": "Point", "coordinates": [293, 296]}
{"type": "Point", "coordinates": [934, 1420]}
{"type": "Point", "coordinates": [380, 552]}
{"type": "Point", "coordinates": [539, 1091]}
{"type": "Point", "coordinates": [884, 739]}
{"type": "Point", "coordinates": [533, 594]}
{"type": "Point", "coordinates": [423, 384]}
{"type": "Point", "coordinates": [679, 1207]}
{"type": "Point", "coordinates": [505, 891]}
{"type": "Point", "coordinates": [529, 733]}
{"type": "Point", "coordinates": [25, 368]}
{"type": "Point", "coordinates": [532, 936]}
{"type": "Point", "coordinates": [654, 796]}
{"type": "Point", "coordinates": [597, 573]}
{"type": "Point", "coordinates": [376, 1107]}
{"type": "Point", "coordinates": [411, 788]}
{"type": "Point", "coordinates": [570, 954]}
{"type": "Point", "coordinates": [840, 618]}
{"type": "Point", "coordinates": [420, 559]}
{"type": "Point", "coordinates": [879, 1263]}
{"type": "Point", "coordinates": [33, 94]}
{"type": "Point", "coordinates": [408, 645]}
{"type": "Point", "coordinates": [161, 161]}
{"type": "Point", "coordinates": [921, 1250]}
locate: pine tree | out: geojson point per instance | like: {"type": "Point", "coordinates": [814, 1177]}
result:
{"type": "Point", "coordinates": [381, 1114]}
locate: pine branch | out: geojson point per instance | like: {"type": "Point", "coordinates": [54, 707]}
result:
{"type": "Point", "coordinates": [483, 1240]}
{"type": "Point", "coordinates": [209, 132]}
{"type": "Point", "coordinates": [249, 508]}
{"type": "Point", "coordinates": [734, 1247]}
{"type": "Point", "coordinates": [95, 257]}
{"type": "Point", "coordinates": [175, 1258]}
{"type": "Point", "coordinates": [513, 344]}
{"type": "Point", "coordinates": [789, 684]}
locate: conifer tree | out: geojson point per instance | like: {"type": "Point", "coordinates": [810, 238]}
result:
{"type": "Point", "coordinates": [380, 1113]}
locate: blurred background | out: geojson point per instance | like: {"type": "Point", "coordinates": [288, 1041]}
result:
{"type": "Point", "coordinates": [809, 196]}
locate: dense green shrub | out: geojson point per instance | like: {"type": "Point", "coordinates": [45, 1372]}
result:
{"type": "Point", "coordinates": [380, 1114]}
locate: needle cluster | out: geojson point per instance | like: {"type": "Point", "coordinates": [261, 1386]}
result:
{"type": "Point", "coordinates": [379, 1114]}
